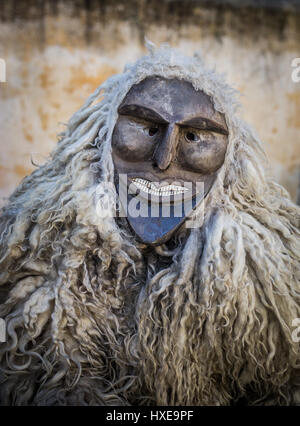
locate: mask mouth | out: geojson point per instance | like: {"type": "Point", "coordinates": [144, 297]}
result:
{"type": "Point", "coordinates": [159, 189]}
{"type": "Point", "coordinates": [155, 208]}
{"type": "Point", "coordinates": [161, 192]}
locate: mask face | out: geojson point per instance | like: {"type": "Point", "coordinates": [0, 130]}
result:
{"type": "Point", "coordinates": [168, 142]}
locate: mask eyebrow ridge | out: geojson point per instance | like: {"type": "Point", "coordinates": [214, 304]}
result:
{"type": "Point", "coordinates": [142, 112]}
{"type": "Point", "coordinates": [202, 123]}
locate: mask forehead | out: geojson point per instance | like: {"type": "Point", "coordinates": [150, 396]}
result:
{"type": "Point", "coordinates": [173, 99]}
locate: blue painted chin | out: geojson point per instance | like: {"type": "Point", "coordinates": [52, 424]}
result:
{"type": "Point", "coordinates": [155, 222]}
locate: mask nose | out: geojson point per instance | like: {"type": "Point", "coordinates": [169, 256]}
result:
{"type": "Point", "coordinates": [165, 150]}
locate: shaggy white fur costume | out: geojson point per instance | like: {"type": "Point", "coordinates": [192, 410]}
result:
{"type": "Point", "coordinates": [94, 317]}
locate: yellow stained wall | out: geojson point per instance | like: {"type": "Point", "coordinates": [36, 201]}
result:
{"type": "Point", "coordinates": [55, 57]}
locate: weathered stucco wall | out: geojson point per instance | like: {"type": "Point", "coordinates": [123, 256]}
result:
{"type": "Point", "coordinates": [58, 52]}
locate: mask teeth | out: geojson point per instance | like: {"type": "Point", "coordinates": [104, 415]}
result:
{"type": "Point", "coordinates": [150, 188]}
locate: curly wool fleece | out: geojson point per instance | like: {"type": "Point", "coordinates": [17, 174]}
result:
{"type": "Point", "coordinates": [94, 317]}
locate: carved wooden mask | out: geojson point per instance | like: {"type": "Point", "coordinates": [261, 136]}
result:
{"type": "Point", "coordinates": [167, 135]}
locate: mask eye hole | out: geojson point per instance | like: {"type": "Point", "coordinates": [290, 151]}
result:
{"type": "Point", "coordinates": [192, 137]}
{"type": "Point", "coordinates": [152, 131]}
